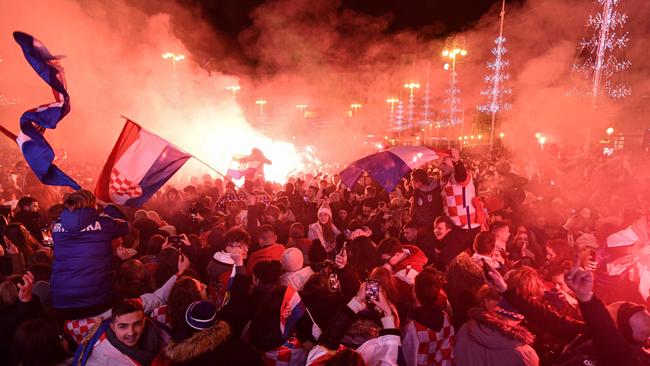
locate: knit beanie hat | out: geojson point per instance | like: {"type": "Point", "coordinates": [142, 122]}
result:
{"type": "Point", "coordinates": [292, 260]}
{"type": "Point", "coordinates": [325, 209]}
{"type": "Point", "coordinates": [201, 315]}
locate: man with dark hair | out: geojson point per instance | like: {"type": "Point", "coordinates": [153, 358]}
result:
{"type": "Point", "coordinates": [426, 204]}
{"type": "Point", "coordinates": [405, 261]}
{"type": "Point", "coordinates": [430, 318]}
{"type": "Point", "coordinates": [28, 214]}
{"type": "Point", "coordinates": [410, 231]}
{"type": "Point", "coordinates": [501, 232]}
{"type": "Point", "coordinates": [278, 216]}
{"type": "Point", "coordinates": [269, 249]}
{"type": "Point", "coordinates": [449, 241]}
{"type": "Point", "coordinates": [127, 338]}
{"type": "Point", "coordinates": [222, 265]}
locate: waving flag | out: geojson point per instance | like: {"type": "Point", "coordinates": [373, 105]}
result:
{"type": "Point", "coordinates": [240, 168]}
{"type": "Point", "coordinates": [291, 310]}
{"type": "Point", "coordinates": [36, 150]}
{"type": "Point", "coordinates": [250, 166]}
{"type": "Point", "coordinates": [389, 166]}
{"type": "Point", "coordinates": [138, 166]}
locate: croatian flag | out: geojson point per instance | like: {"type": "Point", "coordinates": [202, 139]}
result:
{"type": "Point", "coordinates": [37, 151]}
{"type": "Point", "coordinates": [291, 311]}
{"type": "Point", "coordinates": [138, 166]}
{"type": "Point", "coordinates": [240, 167]}
{"type": "Point", "coordinates": [389, 166]}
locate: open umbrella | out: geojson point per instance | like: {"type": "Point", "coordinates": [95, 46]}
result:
{"type": "Point", "coordinates": [388, 166]}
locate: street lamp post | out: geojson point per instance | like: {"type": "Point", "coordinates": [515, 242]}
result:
{"type": "Point", "coordinates": [392, 101]}
{"type": "Point", "coordinates": [261, 103]}
{"type": "Point", "coordinates": [454, 50]}
{"type": "Point", "coordinates": [355, 108]}
{"type": "Point", "coordinates": [174, 57]}
{"type": "Point", "coordinates": [411, 87]}
{"type": "Point", "coordinates": [234, 89]}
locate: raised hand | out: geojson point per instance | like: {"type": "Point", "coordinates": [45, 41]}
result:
{"type": "Point", "coordinates": [25, 289]}
{"type": "Point", "coordinates": [581, 282]}
{"type": "Point", "coordinates": [183, 264]}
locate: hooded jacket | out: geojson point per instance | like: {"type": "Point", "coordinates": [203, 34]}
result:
{"type": "Point", "coordinates": [486, 340]}
{"type": "Point", "coordinates": [211, 346]}
{"type": "Point", "coordinates": [81, 271]}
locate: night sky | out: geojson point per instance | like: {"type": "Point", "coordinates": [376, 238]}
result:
{"type": "Point", "coordinates": [430, 18]}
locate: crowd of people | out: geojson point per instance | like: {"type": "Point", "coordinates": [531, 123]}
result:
{"type": "Point", "coordinates": [479, 259]}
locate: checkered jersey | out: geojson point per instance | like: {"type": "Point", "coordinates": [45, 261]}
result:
{"type": "Point", "coordinates": [457, 199]}
{"type": "Point", "coordinates": [430, 347]}
{"type": "Point", "coordinates": [290, 353]}
{"type": "Point", "coordinates": [79, 329]}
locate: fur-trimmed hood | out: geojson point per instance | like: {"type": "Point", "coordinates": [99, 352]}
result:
{"type": "Point", "coordinates": [492, 332]}
{"type": "Point", "coordinates": [465, 262]}
{"type": "Point", "coordinates": [199, 343]}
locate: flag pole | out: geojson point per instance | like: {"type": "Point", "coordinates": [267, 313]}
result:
{"type": "Point", "coordinates": [8, 133]}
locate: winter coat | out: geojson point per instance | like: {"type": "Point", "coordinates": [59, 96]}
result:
{"type": "Point", "coordinates": [427, 204]}
{"type": "Point", "coordinates": [486, 340]}
{"type": "Point", "coordinates": [464, 278]}
{"type": "Point", "coordinates": [211, 346]}
{"type": "Point", "coordinates": [81, 271]}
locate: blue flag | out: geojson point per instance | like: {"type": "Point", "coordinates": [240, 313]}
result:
{"type": "Point", "coordinates": [37, 151]}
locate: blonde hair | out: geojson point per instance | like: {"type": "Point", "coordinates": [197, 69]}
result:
{"type": "Point", "coordinates": [80, 199]}
{"type": "Point", "coordinates": [526, 282]}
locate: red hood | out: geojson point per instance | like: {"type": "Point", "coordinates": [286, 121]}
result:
{"type": "Point", "coordinates": [417, 260]}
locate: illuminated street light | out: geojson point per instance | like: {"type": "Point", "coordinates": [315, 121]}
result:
{"type": "Point", "coordinates": [502, 135]}
{"type": "Point", "coordinates": [411, 114]}
{"type": "Point", "coordinates": [174, 57]}
{"type": "Point", "coordinates": [391, 117]}
{"type": "Point", "coordinates": [355, 107]}
{"type": "Point", "coordinates": [261, 103]}
{"type": "Point", "coordinates": [609, 131]}
{"type": "Point", "coordinates": [538, 135]}
{"type": "Point", "coordinates": [301, 107]}
{"type": "Point", "coordinates": [233, 89]}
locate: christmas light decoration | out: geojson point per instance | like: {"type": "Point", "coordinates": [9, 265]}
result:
{"type": "Point", "coordinates": [601, 54]}
{"type": "Point", "coordinates": [454, 49]}
{"type": "Point", "coordinates": [495, 90]}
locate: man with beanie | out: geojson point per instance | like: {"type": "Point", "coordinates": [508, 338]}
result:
{"type": "Point", "coordinates": [294, 274]}
{"type": "Point", "coordinates": [269, 249]}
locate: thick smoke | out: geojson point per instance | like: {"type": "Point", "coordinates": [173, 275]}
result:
{"type": "Point", "coordinates": [306, 52]}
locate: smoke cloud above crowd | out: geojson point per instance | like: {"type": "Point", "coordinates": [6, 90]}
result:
{"type": "Point", "coordinates": [305, 52]}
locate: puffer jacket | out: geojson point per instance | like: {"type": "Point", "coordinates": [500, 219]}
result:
{"type": "Point", "coordinates": [427, 204]}
{"type": "Point", "coordinates": [486, 340]}
{"type": "Point", "coordinates": [81, 271]}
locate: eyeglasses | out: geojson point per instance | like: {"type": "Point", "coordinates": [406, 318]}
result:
{"type": "Point", "coordinates": [238, 244]}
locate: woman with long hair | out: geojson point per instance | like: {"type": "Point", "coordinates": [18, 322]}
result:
{"type": "Point", "coordinates": [324, 230]}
